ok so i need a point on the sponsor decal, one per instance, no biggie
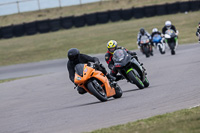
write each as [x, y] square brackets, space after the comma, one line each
[85, 69]
[78, 78]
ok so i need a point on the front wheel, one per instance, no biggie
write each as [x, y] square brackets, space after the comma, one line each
[146, 82]
[172, 47]
[173, 52]
[95, 88]
[146, 51]
[135, 79]
[161, 50]
[118, 91]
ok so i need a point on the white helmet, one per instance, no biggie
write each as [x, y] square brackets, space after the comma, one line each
[155, 30]
[168, 23]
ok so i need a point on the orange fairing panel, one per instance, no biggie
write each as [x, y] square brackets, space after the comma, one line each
[86, 75]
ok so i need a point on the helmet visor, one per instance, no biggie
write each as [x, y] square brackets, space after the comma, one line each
[111, 50]
[73, 57]
[168, 27]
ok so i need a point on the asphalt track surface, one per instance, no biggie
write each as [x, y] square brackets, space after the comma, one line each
[48, 103]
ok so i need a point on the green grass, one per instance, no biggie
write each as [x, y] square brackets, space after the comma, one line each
[183, 121]
[91, 39]
[7, 80]
[78, 10]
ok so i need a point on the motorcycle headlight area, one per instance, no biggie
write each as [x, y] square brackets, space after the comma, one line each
[118, 59]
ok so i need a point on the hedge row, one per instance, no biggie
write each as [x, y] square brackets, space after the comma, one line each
[51, 25]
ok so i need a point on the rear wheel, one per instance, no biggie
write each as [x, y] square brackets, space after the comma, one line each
[95, 88]
[118, 91]
[135, 79]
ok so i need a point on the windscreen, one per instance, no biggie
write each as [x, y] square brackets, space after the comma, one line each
[119, 55]
[79, 69]
[157, 37]
[144, 38]
[169, 32]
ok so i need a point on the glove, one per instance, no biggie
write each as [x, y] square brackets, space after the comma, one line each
[133, 53]
[97, 62]
[96, 65]
[111, 66]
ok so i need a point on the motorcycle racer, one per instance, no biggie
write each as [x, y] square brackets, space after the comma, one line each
[141, 33]
[75, 57]
[112, 45]
[155, 31]
[168, 25]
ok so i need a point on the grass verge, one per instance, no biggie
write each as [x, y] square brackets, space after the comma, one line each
[91, 39]
[183, 121]
[8, 80]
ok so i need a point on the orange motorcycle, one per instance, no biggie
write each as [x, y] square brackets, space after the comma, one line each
[95, 82]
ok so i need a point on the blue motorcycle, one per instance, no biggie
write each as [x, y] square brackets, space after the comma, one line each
[158, 42]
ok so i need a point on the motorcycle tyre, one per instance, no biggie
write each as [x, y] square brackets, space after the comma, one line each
[173, 52]
[94, 91]
[172, 46]
[118, 91]
[160, 49]
[134, 80]
[146, 82]
[146, 51]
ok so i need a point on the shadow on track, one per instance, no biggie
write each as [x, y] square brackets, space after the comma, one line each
[131, 90]
[81, 105]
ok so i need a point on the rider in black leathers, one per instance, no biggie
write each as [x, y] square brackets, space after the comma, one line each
[75, 58]
[168, 25]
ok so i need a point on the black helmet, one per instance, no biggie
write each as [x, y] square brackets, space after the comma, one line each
[73, 54]
[142, 31]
